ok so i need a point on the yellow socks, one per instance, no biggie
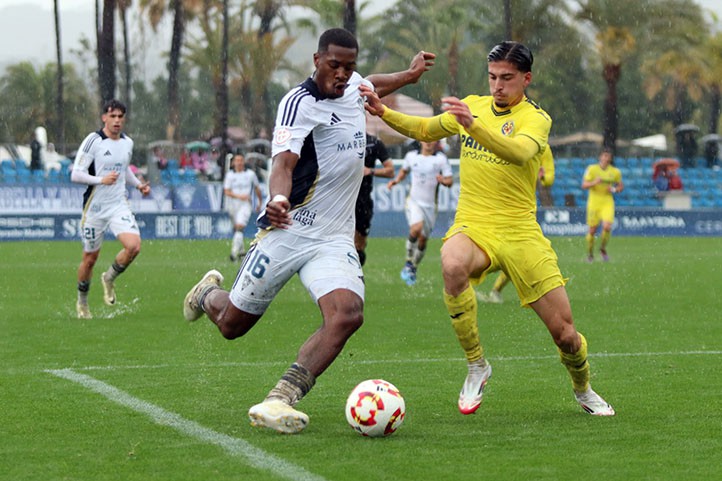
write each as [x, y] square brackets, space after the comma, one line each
[606, 235]
[590, 243]
[462, 310]
[500, 282]
[577, 365]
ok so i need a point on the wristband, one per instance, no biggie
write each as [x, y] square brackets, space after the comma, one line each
[279, 198]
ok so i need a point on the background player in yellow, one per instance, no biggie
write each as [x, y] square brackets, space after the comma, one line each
[546, 179]
[503, 137]
[603, 180]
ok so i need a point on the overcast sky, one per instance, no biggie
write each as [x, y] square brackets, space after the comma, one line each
[27, 31]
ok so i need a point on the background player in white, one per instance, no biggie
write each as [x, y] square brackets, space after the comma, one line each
[103, 163]
[239, 186]
[308, 225]
[429, 168]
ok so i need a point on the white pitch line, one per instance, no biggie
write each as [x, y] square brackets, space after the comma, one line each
[254, 456]
[403, 361]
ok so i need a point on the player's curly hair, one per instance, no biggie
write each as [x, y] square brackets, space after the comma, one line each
[513, 52]
[337, 36]
[113, 104]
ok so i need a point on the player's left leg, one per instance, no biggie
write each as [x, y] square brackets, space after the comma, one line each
[604, 240]
[554, 310]
[131, 249]
[337, 287]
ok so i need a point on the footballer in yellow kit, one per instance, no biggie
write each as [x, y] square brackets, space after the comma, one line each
[503, 139]
[497, 200]
[603, 180]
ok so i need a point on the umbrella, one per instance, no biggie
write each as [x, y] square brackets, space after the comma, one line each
[198, 145]
[686, 128]
[711, 138]
[666, 164]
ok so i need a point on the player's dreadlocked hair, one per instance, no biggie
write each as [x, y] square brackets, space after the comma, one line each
[514, 53]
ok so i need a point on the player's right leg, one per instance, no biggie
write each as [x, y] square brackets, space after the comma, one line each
[193, 302]
[460, 257]
[85, 274]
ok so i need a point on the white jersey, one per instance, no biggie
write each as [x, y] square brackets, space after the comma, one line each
[243, 183]
[329, 135]
[100, 155]
[424, 169]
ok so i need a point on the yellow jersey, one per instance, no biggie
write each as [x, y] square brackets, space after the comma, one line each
[492, 189]
[610, 176]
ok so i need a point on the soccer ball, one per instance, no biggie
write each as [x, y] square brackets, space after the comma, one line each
[375, 408]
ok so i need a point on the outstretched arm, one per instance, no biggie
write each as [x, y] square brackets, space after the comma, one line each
[517, 150]
[419, 128]
[387, 83]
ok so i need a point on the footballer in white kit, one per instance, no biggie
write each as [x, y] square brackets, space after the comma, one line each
[423, 195]
[238, 187]
[429, 169]
[103, 164]
[307, 226]
[329, 135]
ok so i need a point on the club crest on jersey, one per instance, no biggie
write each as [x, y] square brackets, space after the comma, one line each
[281, 136]
[507, 128]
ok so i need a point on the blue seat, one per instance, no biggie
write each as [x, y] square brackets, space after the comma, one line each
[24, 177]
[53, 176]
[190, 176]
[21, 166]
[37, 176]
[10, 177]
[562, 162]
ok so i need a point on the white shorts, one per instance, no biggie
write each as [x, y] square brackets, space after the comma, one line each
[118, 218]
[322, 266]
[416, 213]
[240, 212]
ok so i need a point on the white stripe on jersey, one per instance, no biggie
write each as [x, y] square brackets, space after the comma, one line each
[329, 135]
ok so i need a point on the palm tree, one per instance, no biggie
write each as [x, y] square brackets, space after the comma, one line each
[713, 80]
[349, 15]
[443, 27]
[156, 9]
[123, 6]
[106, 51]
[59, 104]
[611, 22]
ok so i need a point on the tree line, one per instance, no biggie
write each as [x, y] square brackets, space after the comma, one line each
[623, 69]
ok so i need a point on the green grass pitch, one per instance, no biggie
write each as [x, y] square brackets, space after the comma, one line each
[138, 394]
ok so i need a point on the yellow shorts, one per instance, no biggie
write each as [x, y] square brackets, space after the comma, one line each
[598, 212]
[521, 251]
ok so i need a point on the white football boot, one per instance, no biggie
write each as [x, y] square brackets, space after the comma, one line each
[279, 416]
[108, 290]
[473, 388]
[83, 311]
[593, 403]
[192, 309]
